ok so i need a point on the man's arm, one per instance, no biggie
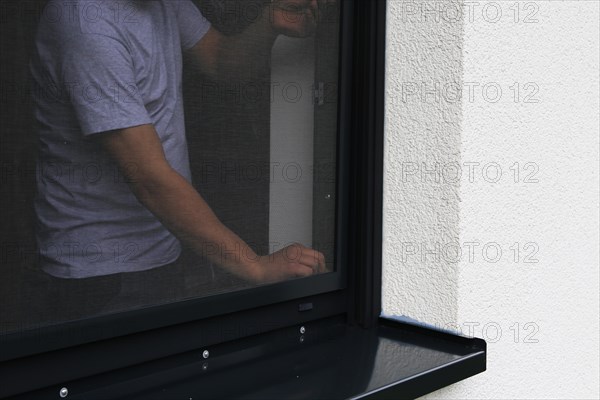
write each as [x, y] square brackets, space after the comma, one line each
[216, 55]
[175, 202]
[206, 52]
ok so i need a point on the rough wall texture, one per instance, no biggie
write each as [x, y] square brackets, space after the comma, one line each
[523, 270]
[422, 134]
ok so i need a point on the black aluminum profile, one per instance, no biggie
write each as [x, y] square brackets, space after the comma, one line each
[368, 71]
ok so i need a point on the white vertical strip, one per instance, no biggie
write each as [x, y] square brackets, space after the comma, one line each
[292, 131]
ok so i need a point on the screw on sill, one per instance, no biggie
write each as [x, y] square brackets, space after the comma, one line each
[205, 354]
[64, 392]
[302, 330]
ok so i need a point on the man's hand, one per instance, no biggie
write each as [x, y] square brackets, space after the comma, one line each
[294, 261]
[295, 18]
[298, 18]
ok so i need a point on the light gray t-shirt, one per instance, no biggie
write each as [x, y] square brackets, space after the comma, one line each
[100, 66]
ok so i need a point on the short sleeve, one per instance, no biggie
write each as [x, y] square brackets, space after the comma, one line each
[97, 71]
[192, 24]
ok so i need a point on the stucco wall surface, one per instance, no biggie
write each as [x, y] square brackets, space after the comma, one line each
[501, 240]
[422, 132]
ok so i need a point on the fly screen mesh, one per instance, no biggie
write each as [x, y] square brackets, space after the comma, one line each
[156, 151]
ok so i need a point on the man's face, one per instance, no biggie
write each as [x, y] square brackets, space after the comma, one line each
[296, 18]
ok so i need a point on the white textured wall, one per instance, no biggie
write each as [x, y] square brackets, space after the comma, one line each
[422, 132]
[536, 303]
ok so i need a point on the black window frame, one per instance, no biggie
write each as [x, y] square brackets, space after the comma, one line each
[351, 204]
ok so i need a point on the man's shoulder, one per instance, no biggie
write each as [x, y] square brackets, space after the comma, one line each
[69, 18]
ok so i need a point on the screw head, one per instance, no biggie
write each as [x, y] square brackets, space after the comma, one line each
[302, 330]
[205, 367]
[301, 340]
[64, 392]
[205, 354]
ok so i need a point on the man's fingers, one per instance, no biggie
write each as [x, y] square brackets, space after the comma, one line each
[322, 265]
[308, 257]
[309, 260]
[314, 259]
[300, 270]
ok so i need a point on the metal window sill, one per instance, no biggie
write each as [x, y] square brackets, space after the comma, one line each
[330, 360]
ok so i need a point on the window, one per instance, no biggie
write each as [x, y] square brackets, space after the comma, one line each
[246, 112]
[281, 105]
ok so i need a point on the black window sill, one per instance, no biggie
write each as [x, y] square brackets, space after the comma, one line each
[330, 360]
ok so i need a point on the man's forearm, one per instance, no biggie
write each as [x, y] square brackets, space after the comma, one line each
[185, 213]
[175, 202]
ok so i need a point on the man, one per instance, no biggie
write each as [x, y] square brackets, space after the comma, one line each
[114, 194]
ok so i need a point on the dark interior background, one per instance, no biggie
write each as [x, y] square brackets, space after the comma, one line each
[18, 21]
